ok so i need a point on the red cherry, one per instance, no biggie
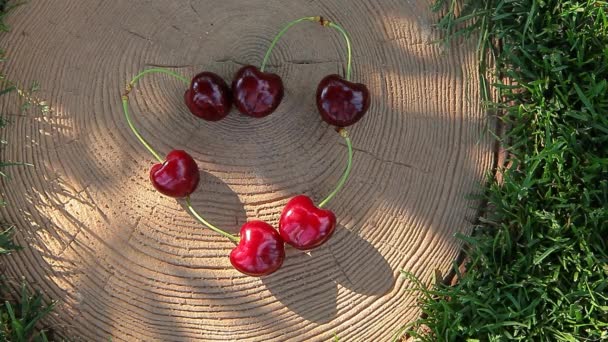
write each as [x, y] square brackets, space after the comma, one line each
[256, 93]
[177, 177]
[208, 97]
[303, 225]
[260, 250]
[341, 103]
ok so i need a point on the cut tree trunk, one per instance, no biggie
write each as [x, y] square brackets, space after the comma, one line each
[127, 263]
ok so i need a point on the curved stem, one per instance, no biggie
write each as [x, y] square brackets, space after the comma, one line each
[349, 166]
[231, 237]
[125, 105]
[348, 48]
[280, 34]
[323, 22]
[159, 71]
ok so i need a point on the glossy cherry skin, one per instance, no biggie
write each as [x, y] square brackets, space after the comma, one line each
[208, 97]
[303, 225]
[177, 177]
[341, 103]
[261, 250]
[256, 93]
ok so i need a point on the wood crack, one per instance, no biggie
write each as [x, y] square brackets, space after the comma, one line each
[169, 66]
[292, 61]
[138, 35]
[194, 9]
[341, 268]
[387, 161]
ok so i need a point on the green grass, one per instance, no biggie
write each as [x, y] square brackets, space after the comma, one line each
[537, 265]
[6, 241]
[19, 318]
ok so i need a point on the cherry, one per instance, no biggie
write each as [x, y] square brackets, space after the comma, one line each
[256, 93]
[177, 176]
[305, 226]
[208, 97]
[260, 250]
[341, 103]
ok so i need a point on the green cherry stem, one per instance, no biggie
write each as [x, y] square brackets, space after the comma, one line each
[323, 22]
[348, 48]
[125, 107]
[344, 133]
[233, 238]
[279, 35]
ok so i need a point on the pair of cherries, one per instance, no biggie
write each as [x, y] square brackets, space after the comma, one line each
[260, 248]
[256, 93]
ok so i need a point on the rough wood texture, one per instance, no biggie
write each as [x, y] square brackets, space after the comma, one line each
[128, 263]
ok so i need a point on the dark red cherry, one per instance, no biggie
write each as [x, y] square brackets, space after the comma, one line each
[260, 251]
[341, 103]
[256, 93]
[208, 97]
[305, 226]
[177, 177]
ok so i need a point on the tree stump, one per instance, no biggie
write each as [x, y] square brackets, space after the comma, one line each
[127, 263]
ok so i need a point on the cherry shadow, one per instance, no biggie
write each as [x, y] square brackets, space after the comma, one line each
[217, 203]
[308, 281]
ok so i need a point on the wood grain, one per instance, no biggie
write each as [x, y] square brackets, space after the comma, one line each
[125, 262]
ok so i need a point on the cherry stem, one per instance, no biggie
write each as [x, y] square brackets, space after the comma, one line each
[323, 22]
[125, 105]
[233, 238]
[344, 133]
[279, 35]
[348, 48]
